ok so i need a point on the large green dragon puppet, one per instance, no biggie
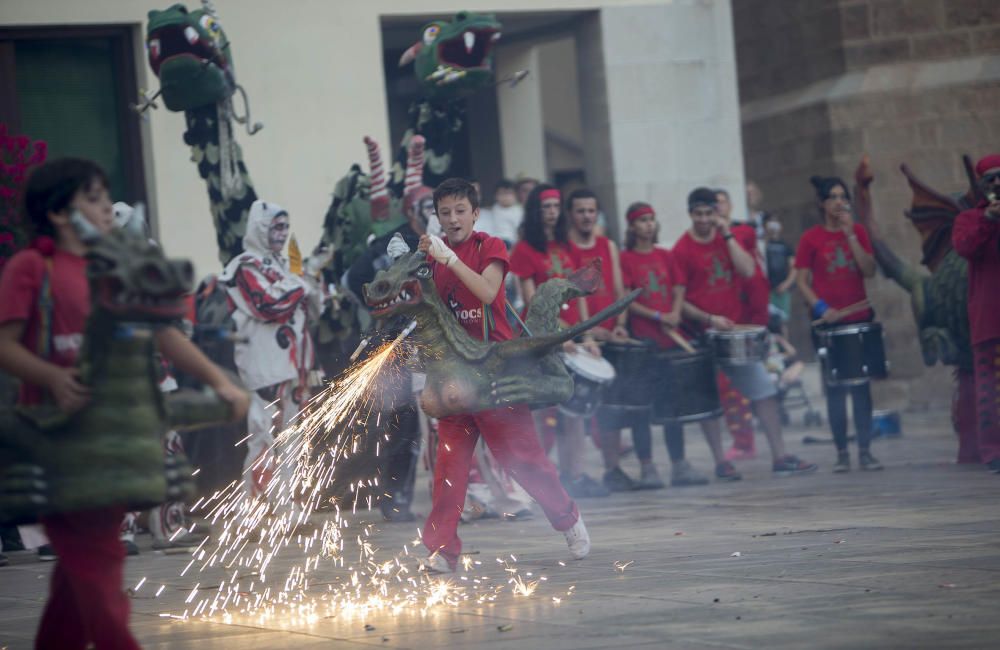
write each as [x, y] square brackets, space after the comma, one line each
[466, 375]
[110, 452]
[939, 300]
[192, 56]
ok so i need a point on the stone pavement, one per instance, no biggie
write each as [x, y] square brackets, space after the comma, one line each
[904, 558]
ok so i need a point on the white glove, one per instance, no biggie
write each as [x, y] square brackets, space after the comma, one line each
[318, 261]
[397, 247]
[440, 251]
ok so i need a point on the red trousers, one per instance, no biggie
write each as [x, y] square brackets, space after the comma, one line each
[86, 602]
[963, 417]
[510, 434]
[987, 369]
[739, 417]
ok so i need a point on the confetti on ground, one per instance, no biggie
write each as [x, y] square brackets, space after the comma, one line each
[505, 628]
[736, 554]
[621, 566]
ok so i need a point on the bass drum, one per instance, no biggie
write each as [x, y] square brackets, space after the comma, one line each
[634, 386]
[686, 387]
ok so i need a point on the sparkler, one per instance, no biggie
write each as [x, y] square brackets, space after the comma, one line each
[334, 572]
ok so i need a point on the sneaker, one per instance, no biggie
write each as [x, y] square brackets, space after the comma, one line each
[650, 479]
[683, 475]
[739, 453]
[994, 466]
[578, 540]
[130, 547]
[584, 487]
[867, 462]
[617, 480]
[726, 472]
[843, 463]
[789, 465]
[46, 554]
[435, 563]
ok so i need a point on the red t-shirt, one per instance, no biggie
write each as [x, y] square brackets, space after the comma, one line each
[657, 274]
[605, 294]
[711, 280]
[477, 252]
[558, 261]
[756, 290]
[836, 278]
[977, 239]
[21, 287]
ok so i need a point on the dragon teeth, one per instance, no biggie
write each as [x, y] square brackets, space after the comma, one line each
[470, 41]
[191, 34]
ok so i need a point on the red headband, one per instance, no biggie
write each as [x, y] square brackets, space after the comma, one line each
[640, 211]
[989, 162]
[550, 194]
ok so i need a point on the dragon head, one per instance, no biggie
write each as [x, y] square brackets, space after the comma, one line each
[400, 289]
[132, 280]
[189, 52]
[455, 58]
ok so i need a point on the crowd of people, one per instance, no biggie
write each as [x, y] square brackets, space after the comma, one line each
[723, 281]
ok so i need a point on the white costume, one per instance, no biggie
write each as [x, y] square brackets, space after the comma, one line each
[275, 352]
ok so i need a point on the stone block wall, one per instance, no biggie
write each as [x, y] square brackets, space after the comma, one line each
[914, 81]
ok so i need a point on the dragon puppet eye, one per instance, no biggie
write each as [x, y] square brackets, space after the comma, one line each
[210, 25]
[431, 33]
[423, 271]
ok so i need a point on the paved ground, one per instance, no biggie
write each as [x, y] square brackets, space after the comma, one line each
[907, 558]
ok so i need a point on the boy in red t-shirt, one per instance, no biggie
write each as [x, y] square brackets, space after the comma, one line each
[713, 263]
[976, 237]
[833, 260]
[469, 270]
[86, 603]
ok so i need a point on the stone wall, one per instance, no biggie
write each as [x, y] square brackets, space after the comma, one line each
[915, 81]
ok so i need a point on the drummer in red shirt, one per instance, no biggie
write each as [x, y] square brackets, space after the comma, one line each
[545, 252]
[653, 316]
[976, 237]
[468, 271]
[713, 263]
[833, 259]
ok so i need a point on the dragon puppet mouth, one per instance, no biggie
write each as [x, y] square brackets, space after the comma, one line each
[176, 41]
[114, 298]
[469, 50]
[409, 294]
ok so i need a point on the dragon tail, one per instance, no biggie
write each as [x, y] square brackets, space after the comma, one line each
[903, 274]
[610, 311]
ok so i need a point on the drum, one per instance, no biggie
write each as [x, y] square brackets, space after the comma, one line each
[591, 376]
[632, 390]
[741, 346]
[852, 354]
[686, 387]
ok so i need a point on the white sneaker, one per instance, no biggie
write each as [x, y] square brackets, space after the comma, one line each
[435, 563]
[578, 540]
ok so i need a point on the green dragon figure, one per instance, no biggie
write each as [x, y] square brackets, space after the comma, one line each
[938, 299]
[465, 375]
[110, 452]
[192, 57]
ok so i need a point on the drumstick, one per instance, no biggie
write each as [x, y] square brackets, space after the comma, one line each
[847, 311]
[680, 341]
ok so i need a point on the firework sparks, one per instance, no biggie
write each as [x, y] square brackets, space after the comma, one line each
[239, 577]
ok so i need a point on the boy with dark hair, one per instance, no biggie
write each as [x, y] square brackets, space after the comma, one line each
[42, 317]
[468, 271]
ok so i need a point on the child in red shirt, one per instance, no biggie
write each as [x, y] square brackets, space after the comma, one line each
[833, 259]
[86, 603]
[469, 272]
[976, 237]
